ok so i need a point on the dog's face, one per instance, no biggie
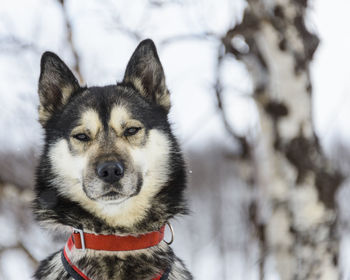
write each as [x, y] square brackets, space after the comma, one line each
[105, 153]
[110, 145]
[107, 146]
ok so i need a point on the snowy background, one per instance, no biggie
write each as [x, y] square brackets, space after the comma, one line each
[214, 240]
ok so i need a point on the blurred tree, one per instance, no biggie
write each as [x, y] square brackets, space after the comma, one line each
[295, 180]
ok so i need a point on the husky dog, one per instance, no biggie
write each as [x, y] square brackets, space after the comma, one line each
[111, 166]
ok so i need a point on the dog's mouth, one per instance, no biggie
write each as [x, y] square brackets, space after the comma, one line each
[112, 197]
[112, 193]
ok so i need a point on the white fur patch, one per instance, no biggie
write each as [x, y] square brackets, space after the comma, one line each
[68, 169]
[152, 158]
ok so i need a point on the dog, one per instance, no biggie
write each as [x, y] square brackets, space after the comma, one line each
[111, 172]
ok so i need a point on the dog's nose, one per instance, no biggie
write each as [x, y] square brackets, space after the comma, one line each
[110, 171]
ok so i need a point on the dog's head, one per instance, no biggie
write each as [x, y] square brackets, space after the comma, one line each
[109, 149]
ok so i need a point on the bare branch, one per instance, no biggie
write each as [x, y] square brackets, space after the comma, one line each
[73, 48]
[242, 140]
[189, 37]
[161, 3]
[20, 246]
[34, 261]
[133, 34]
[14, 44]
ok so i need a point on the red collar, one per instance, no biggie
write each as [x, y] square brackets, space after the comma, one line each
[83, 240]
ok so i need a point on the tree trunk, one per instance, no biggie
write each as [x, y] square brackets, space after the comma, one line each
[297, 182]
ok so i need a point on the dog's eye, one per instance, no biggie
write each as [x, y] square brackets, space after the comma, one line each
[131, 131]
[82, 137]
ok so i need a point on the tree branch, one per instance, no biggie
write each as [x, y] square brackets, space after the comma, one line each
[73, 48]
[245, 150]
[189, 37]
[20, 246]
[15, 44]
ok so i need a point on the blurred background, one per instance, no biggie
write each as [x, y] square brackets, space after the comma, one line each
[259, 93]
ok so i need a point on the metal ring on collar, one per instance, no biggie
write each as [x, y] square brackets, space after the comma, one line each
[172, 234]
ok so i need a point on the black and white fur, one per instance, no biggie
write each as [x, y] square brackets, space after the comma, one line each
[87, 126]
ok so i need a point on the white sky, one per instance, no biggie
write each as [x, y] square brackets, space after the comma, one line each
[330, 70]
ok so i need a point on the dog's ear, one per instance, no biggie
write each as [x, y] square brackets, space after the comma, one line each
[56, 85]
[145, 72]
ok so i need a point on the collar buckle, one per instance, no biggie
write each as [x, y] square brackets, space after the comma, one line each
[82, 239]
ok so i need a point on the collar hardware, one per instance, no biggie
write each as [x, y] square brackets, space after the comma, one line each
[172, 233]
[82, 239]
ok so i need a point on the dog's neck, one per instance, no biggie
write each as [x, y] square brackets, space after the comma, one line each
[66, 214]
[123, 264]
[134, 248]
